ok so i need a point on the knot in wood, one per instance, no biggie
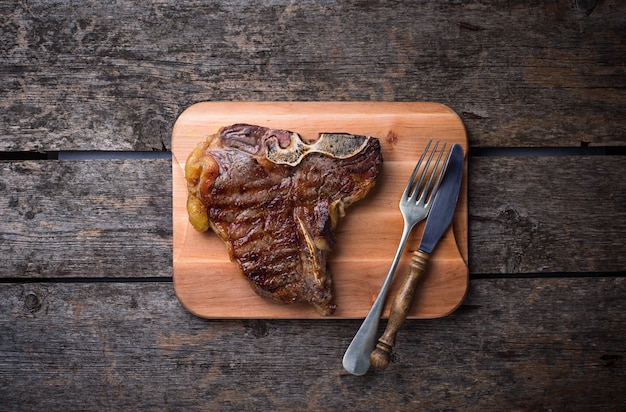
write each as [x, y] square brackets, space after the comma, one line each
[32, 304]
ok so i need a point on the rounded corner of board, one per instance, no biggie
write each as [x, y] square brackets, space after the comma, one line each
[459, 301]
[190, 111]
[457, 117]
[193, 107]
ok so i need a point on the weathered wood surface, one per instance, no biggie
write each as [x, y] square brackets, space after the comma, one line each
[66, 219]
[547, 214]
[103, 219]
[84, 75]
[516, 344]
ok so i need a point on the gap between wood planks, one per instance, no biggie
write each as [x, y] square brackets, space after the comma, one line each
[583, 150]
[85, 155]
[77, 279]
[168, 279]
[548, 275]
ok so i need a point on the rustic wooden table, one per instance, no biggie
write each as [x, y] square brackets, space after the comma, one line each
[89, 92]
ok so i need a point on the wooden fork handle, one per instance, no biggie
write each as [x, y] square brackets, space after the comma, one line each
[400, 308]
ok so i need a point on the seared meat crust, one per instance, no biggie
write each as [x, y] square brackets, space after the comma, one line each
[277, 219]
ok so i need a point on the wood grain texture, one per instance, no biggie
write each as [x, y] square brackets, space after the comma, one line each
[209, 284]
[547, 214]
[84, 75]
[515, 344]
[85, 219]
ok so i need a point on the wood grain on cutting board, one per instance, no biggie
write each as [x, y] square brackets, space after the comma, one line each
[208, 284]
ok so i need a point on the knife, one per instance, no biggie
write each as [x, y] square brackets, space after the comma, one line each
[437, 223]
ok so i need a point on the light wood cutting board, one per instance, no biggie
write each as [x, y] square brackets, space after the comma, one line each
[207, 283]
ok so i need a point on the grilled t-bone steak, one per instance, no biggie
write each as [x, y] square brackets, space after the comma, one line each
[276, 200]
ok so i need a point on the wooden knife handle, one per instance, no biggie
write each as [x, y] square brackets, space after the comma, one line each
[400, 308]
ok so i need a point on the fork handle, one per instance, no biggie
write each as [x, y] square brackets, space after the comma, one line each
[400, 308]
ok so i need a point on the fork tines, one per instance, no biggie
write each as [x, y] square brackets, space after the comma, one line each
[420, 188]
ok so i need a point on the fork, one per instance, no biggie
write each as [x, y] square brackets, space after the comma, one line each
[356, 359]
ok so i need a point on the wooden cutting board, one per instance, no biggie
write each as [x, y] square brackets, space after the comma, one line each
[207, 283]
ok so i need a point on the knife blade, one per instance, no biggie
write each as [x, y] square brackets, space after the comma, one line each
[437, 223]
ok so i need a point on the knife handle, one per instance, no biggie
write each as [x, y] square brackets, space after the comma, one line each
[400, 308]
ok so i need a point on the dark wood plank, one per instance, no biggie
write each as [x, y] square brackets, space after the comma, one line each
[547, 214]
[85, 219]
[113, 218]
[78, 75]
[515, 344]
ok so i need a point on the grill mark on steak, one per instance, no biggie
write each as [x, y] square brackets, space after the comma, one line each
[276, 219]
